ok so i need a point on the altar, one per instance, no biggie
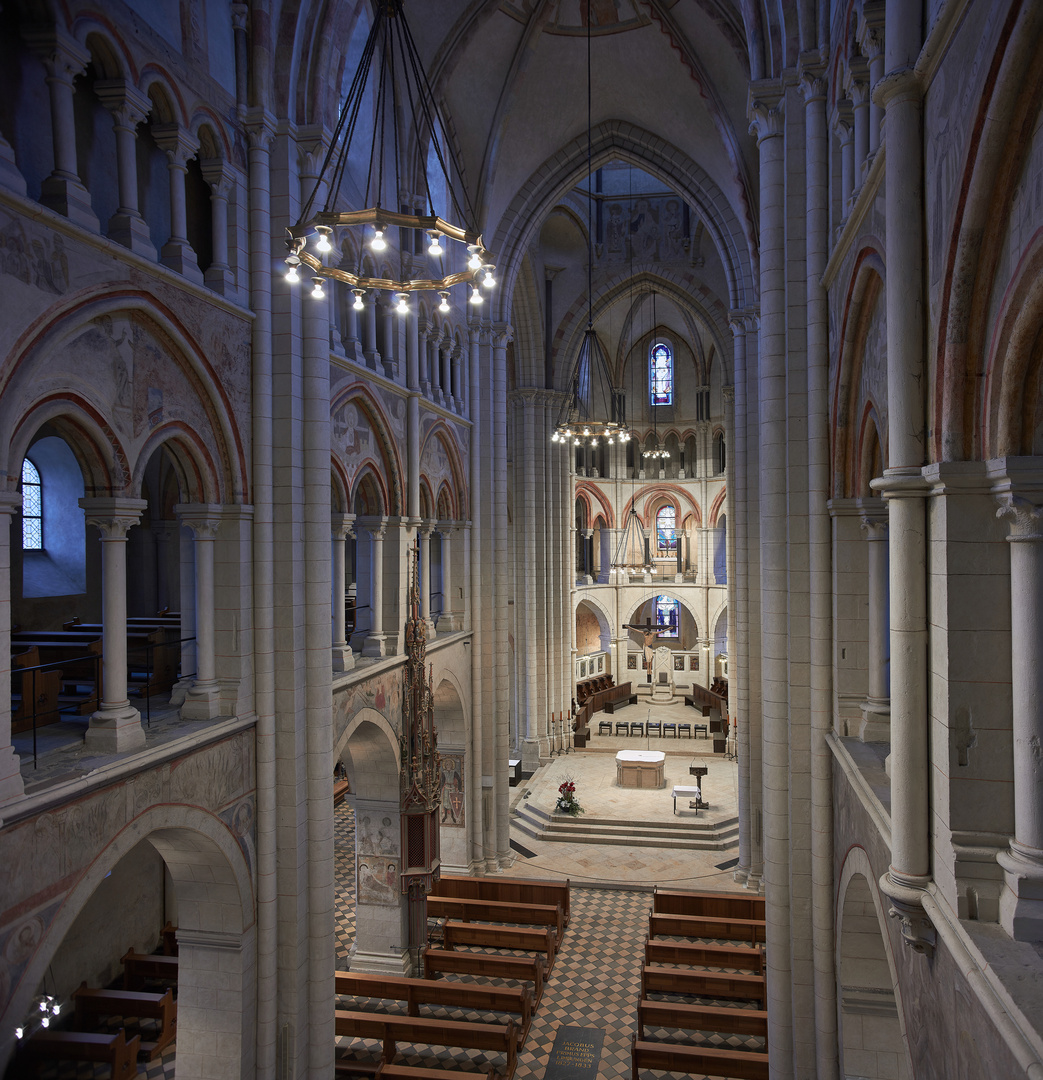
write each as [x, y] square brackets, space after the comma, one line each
[640, 768]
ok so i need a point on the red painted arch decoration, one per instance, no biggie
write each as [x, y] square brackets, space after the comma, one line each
[591, 493]
[716, 506]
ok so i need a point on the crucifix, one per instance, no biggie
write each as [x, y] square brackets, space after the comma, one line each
[650, 633]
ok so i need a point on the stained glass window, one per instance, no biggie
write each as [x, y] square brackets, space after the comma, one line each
[668, 612]
[666, 528]
[661, 374]
[32, 508]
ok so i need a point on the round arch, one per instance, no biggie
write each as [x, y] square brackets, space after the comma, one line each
[371, 747]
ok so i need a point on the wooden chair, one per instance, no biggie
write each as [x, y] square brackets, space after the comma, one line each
[637, 727]
[622, 727]
[669, 726]
[655, 727]
[604, 727]
[686, 728]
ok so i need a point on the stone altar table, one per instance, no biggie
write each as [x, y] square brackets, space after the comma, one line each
[640, 768]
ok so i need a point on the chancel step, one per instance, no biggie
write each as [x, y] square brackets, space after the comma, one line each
[702, 835]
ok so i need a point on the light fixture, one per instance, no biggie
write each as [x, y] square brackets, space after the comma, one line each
[358, 304]
[390, 113]
[292, 276]
[591, 399]
[402, 303]
[476, 295]
[444, 305]
[318, 293]
[632, 550]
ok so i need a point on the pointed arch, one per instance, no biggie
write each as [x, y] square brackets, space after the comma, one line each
[389, 462]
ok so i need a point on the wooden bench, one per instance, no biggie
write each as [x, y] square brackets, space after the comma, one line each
[695, 983]
[618, 703]
[521, 968]
[687, 1017]
[429, 1031]
[467, 909]
[698, 954]
[137, 967]
[341, 788]
[516, 890]
[708, 904]
[112, 1050]
[696, 926]
[523, 938]
[450, 995]
[696, 1060]
[34, 693]
[705, 700]
[89, 1002]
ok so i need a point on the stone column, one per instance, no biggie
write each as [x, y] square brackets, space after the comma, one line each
[375, 641]
[903, 484]
[858, 88]
[177, 253]
[450, 619]
[871, 42]
[221, 179]
[128, 107]
[424, 358]
[446, 351]
[116, 727]
[63, 58]
[586, 535]
[10, 778]
[389, 357]
[843, 125]
[343, 657]
[876, 709]
[369, 336]
[202, 701]
[424, 532]
[458, 382]
[1021, 903]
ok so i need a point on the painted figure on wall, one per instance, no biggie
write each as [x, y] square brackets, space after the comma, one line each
[451, 804]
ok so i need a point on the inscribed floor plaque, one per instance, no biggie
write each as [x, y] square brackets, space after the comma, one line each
[576, 1054]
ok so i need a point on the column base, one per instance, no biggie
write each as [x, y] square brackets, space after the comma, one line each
[202, 702]
[530, 754]
[389, 963]
[177, 255]
[115, 730]
[10, 175]
[1021, 902]
[754, 882]
[741, 874]
[390, 368]
[372, 359]
[429, 628]
[343, 658]
[906, 895]
[221, 280]
[179, 691]
[375, 645]
[876, 720]
[131, 230]
[11, 786]
[450, 621]
[68, 197]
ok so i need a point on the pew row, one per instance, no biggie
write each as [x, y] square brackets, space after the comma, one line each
[487, 936]
[708, 904]
[683, 1016]
[429, 1031]
[696, 1060]
[508, 890]
[496, 911]
[692, 982]
[137, 967]
[91, 1003]
[116, 1051]
[520, 968]
[698, 954]
[450, 995]
[696, 926]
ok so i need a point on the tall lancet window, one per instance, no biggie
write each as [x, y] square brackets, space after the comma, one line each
[661, 374]
[666, 528]
[32, 508]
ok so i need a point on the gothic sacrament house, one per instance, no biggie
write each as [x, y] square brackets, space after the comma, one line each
[408, 405]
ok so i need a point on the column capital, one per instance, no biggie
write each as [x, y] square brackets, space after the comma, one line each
[260, 128]
[502, 334]
[178, 143]
[426, 528]
[446, 529]
[341, 525]
[375, 526]
[869, 32]
[905, 84]
[124, 100]
[742, 321]
[219, 174]
[728, 391]
[856, 82]
[1024, 515]
[842, 120]
[766, 109]
[239, 16]
[113, 517]
[204, 519]
[62, 55]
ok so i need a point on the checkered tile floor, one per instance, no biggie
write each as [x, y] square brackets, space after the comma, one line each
[596, 982]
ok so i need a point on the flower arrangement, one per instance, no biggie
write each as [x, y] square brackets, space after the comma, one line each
[567, 802]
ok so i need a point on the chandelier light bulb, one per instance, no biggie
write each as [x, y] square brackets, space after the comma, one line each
[378, 243]
[444, 305]
[358, 305]
[45, 1022]
[489, 281]
[56, 1008]
[403, 306]
[324, 246]
[435, 247]
[554, 437]
[319, 293]
[586, 431]
[19, 1032]
[579, 441]
[476, 296]
[292, 262]
[474, 262]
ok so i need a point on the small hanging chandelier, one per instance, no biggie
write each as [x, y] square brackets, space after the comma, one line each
[391, 77]
[631, 556]
[593, 408]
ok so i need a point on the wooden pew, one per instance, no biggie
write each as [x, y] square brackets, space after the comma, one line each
[696, 926]
[137, 967]
[112, 1050]
[415, 1072]
[696, 953]
[521, 968]
[696, 1060]
[89, 1002]
[687, 1017]
[35, 693]
[516, 890]
[488, 936]
[506, 911]
[430, 1031]
[695, 983]
[709, 904]
[450, 995]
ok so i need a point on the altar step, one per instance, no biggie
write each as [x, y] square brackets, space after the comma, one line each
[702, 834]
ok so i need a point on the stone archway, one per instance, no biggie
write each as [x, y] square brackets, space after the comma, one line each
[872, 1040]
